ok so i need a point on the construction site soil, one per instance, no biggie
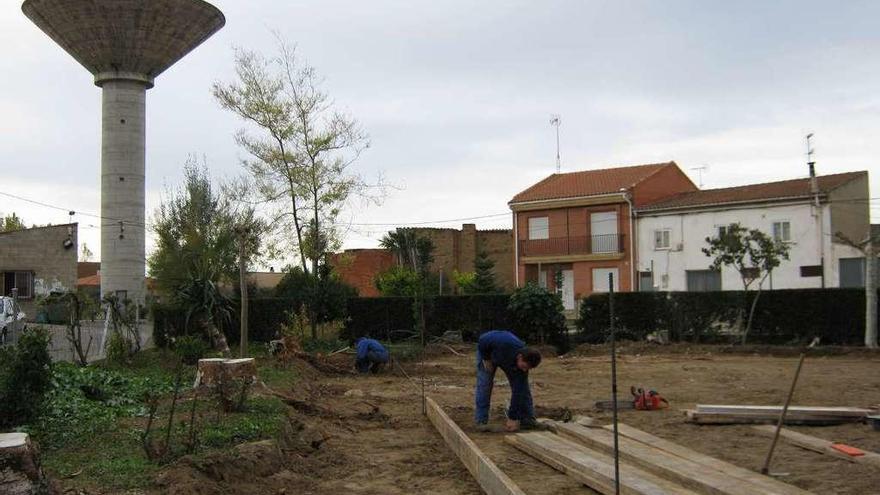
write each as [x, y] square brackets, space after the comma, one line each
[367, 434]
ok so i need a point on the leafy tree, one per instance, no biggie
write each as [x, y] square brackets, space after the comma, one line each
[399, 281]
[537, 315]
[301, 148]
[411, 250]
[752, 253]
[11, 222]
[464, 281]
[484, 277]
[194, 234]
[200, 239]
[415, 254]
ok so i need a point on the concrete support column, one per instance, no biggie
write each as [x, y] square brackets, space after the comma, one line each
[122, 188]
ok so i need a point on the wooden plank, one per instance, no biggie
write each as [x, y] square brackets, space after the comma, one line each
[761, 418]
[853, 412]
[819, 445]
[766, 483]
[491, 479]
[592, 468]
[672, 467]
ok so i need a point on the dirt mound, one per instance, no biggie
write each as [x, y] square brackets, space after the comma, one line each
[224, 472]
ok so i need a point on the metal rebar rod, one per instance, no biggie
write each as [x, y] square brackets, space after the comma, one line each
[614, 384]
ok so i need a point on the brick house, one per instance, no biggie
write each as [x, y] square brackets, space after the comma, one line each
[576, 228]
[38, 260]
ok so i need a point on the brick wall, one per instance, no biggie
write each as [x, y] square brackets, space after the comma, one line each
[359, 267]
[40, 251]
[456, 250]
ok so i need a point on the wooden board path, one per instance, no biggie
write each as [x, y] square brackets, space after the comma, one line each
[592, 468]
[764, 482]
[491, 479]
[819, 445]
[696, 476]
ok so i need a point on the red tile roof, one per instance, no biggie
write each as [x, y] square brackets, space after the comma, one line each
[589, 182]
[769, 191]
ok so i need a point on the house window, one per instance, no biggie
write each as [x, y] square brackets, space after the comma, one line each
[812, 270]
[539, 228]
[723, 230]
[703, 280]
[661, 239]
[782, 231]
[23, 281]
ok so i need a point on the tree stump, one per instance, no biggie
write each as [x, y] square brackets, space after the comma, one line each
[210, 372]
[20, 472]
[244, 370]
[229, 380]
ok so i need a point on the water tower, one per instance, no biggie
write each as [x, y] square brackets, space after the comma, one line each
[125, 44]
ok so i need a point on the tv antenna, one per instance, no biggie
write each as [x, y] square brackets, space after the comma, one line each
[700, 170]
[555, 121]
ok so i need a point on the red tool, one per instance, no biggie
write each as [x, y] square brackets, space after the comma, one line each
[647, 400]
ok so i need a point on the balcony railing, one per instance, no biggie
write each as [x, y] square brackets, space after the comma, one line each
[558, 246]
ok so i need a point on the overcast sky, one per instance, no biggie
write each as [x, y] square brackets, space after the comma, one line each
[457, 96]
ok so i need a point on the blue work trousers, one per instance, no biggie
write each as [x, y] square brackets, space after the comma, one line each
[521, 406]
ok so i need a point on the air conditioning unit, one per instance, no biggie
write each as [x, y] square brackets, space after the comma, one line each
[679, 246]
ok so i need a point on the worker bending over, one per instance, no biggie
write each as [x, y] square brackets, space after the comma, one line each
[502, 349]
[371, 355]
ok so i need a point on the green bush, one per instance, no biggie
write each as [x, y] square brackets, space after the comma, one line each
[537, 316]
[87, 401]
[26, 376]
[190, 348]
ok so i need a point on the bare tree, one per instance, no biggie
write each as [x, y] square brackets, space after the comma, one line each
[300, 148]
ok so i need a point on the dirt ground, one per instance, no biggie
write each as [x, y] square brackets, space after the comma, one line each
[367, 435]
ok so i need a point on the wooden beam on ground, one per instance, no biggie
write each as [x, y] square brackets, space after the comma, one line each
[690, 474]
[765, 483]
[848, 412]
[592, 468]
[819, 445]
[712, 418]
[491, 479]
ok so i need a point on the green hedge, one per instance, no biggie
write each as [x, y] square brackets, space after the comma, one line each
[391, 318]
[265, 317]
[836, 316]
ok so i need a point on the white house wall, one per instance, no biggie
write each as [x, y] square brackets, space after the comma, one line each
[688, 232]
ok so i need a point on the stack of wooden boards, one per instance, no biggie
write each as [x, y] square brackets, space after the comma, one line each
[648, 465]
[796, 415]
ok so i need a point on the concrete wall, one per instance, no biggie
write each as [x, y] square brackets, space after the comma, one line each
[40, 251]
[688, 232]
[850, 213]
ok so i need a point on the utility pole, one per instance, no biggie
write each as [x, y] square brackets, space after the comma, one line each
[867, 247]
[870, 294]
[556, 121]
[817, 208]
